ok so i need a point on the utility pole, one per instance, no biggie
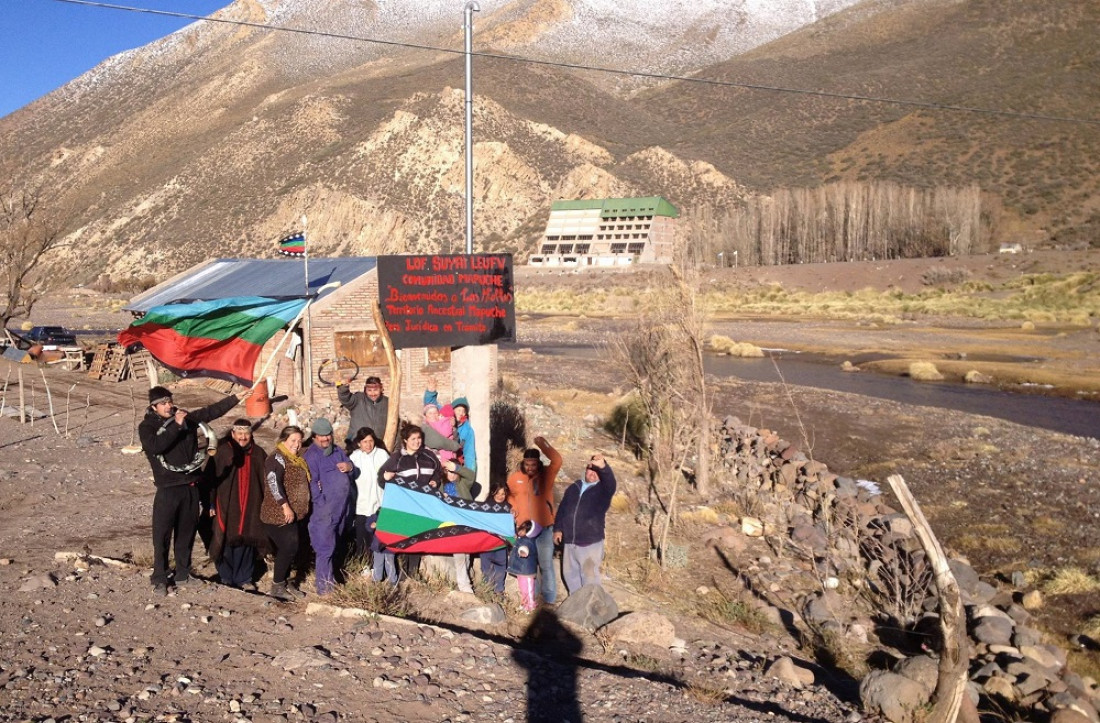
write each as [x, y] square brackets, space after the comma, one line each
[471, 8]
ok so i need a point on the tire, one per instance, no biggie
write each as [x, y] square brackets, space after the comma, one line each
[330, 368]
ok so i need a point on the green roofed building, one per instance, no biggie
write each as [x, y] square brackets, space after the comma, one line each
[607, 232]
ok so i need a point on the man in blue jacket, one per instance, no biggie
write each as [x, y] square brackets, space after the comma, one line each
[579, 524]
[330, 493]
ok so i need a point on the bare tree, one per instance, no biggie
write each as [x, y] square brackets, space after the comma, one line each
[662, 360]
[29, 232]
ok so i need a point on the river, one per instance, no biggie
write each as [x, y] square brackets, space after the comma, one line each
[1079, 417]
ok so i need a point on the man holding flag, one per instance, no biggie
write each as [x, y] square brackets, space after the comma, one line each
[169, 440]
[219, 338]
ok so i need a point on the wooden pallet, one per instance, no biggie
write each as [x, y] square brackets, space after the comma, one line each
[110, 363]
[139, 364]
[99, 360]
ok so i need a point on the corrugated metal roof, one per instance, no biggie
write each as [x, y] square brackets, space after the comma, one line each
[222, 278]
[618, 207]
[649, 206]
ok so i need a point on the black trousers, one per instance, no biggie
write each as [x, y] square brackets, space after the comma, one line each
[284, 538]
[175, 513]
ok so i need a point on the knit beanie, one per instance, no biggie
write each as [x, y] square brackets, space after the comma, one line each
[159, 394]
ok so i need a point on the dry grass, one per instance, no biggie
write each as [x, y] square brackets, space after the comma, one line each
[721, 609]
[989, 537]
[705, 693]
[1070, 581]
[925, 372]
[1004, 373]
[724, 345]
[1029, 299]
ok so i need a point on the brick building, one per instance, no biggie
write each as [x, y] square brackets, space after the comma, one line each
[607, 233]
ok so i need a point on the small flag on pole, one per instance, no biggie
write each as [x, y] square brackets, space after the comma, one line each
[293, 245]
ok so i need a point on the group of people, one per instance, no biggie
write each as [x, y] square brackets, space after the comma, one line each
[260, 502]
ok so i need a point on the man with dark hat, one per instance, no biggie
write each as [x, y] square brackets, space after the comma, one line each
[531, 495]
[169, 439]
[369, 408]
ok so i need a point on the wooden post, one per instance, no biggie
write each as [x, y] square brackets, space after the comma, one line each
[954, 664]
[390, 437]
[49, 400]
[22, 398]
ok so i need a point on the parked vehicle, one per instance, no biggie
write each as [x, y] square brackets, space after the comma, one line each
[51, 335]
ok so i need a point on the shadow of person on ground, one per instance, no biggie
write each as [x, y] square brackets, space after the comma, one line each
[551, 671]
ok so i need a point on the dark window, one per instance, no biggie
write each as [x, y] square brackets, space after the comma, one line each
[582, 248]
[547, 249]
[636, 248]
[565, 249]
[618, 248]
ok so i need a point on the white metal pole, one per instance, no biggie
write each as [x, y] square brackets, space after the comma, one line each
[471, 8]
[307, 347]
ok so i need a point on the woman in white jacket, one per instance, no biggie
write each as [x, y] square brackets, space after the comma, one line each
[367, 454]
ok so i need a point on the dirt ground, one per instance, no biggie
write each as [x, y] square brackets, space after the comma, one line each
[84, 641]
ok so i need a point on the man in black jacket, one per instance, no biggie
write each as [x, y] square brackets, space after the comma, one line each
[169, 439]
[579, 523]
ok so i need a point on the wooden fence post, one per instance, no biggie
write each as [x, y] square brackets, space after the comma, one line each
[954, 663]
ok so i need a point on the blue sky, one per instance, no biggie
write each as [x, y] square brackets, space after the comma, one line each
[46, 43]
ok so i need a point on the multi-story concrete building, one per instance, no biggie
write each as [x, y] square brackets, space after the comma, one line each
[607, 232]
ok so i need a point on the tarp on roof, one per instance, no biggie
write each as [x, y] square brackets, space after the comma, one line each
[224, 278]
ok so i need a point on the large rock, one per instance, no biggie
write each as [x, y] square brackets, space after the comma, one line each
[1000, 687]
[642, 628]
[1069, 715]
[725, 538]
[1044, 656]
[823, 607]
[38, 582]
[993, 630]
[966, 578]
[893, 696]
[784, 669]
[921, 669]
[491, 614]
[590, 607]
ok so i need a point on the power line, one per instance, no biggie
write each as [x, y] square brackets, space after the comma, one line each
[929, 105]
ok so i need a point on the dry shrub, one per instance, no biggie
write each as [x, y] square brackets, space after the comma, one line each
[705, 693]
[725, 345]
[621, 504]
[700, 515]
[940, 276]
[833, 650]
[1071, 581]
[925, 372]
[381, 598]
[721, 609]
[1027, 326]
[976, 377]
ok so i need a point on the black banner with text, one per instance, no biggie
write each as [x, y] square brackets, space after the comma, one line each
[453, 300]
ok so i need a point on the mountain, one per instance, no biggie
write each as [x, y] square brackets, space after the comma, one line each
[217, 139]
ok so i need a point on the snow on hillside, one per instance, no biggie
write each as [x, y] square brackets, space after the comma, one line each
[675, 36]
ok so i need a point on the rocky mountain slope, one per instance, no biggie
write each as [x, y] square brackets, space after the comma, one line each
[216, 140]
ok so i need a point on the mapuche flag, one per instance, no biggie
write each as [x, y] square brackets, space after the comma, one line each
[418, 519]
[220, 338]
[293, 245]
